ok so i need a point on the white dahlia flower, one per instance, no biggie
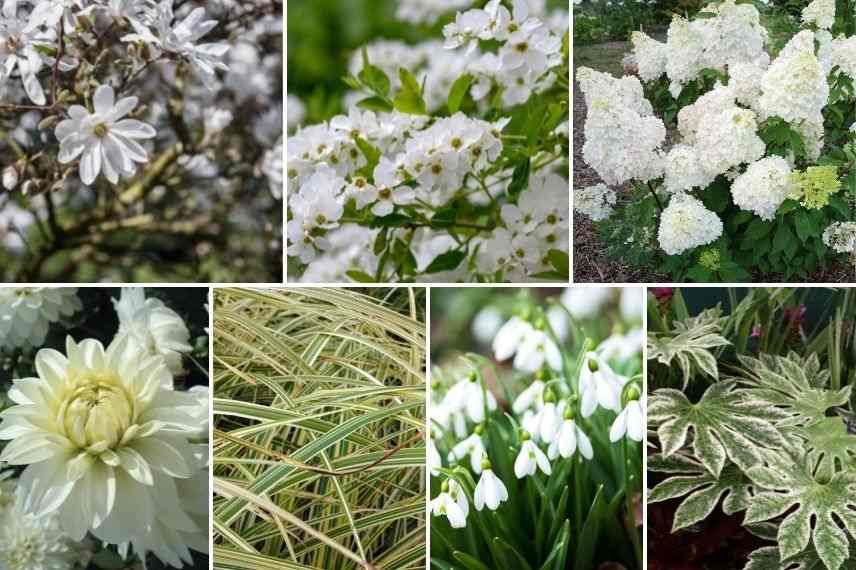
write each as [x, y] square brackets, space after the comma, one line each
[26, 313]
[28, 542]
[157, 328]
[685, 224]
[763, 187]
[106, 440]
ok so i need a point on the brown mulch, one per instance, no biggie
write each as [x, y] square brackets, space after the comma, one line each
[590, 263]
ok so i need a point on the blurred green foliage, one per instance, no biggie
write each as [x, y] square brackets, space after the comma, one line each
[323, 34]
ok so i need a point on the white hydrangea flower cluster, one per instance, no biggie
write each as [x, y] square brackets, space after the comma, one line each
[839, 52]
[841, 237]
[623, 137]
[683, 170]
[733, 34]
[596, 202]
[553, 424]
[523, 65]
[763, 187]
[737, 126]
[820, 13]
[26, 313]
[686, 224]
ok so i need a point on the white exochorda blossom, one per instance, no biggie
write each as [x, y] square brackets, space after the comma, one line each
[104, 140]
[686, 224]
[106, 440]
[19, 43]
[180, 39]
[154, 326]
[28, 542]
[26, 313]
[530, 459]
[763, 187]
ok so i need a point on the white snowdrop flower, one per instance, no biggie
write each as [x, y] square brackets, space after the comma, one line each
[546, 421]
[569, 439]
[599, 385]
[155, 327]
[763, 187]
[29, 542]
[530, 459]
[528, 397]
[471, 396]
[821, 13]
[487, 324]
[181, 39]
[19, 49]
[490, 490]
[621, 347]
[629, 421]
[736, 125]
[434, 459]
[683, 170]
[632, 304]
[26, 313]
[509, 337]
[105, 437]
[451, 503]
[685, 223]
[650, 56]
[841, 237]
[471, 447]
[585, 303]
[103, 139]
[596, 202]
[537, 349]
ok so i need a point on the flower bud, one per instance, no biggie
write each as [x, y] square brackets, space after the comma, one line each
[10, 178]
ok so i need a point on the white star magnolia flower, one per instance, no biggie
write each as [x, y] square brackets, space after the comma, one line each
[629, 422]
[106, 141]
[105, 438]
[529, 460]
[28, 542]
[154, 326]
[181, 39]
[18, 43]
[453, 504]
[26, 313]
[490, 491]
[570, 438]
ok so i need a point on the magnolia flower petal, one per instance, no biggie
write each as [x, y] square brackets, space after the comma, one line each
[103, 99]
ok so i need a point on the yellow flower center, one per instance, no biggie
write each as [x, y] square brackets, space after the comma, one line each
[100, 130]
[97, 412]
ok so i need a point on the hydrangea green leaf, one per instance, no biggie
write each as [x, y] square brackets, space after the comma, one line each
[689, 342]
[704, 492]
[726, 425]
[820, 511]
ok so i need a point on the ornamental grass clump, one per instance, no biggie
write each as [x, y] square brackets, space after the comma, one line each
[538, 464]
[747, 423]
[319, 428]
[760, 158]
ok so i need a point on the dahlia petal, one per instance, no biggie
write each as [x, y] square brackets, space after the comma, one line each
[32, 448]
[46, 485]
[100, 486]
[163, 455]
[135, 465]
[135, 510]
[51, 366]
[72, 517]
[78, 467]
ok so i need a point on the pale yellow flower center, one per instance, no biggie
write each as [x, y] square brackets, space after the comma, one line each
[97, 412]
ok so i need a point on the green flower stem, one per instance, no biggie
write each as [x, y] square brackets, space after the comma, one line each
[630, 517]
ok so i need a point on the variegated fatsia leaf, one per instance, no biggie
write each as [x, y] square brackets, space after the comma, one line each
[795, 385]
[831, 448]
[767, 558]
[821, 511]
[703, 492]
[689, 342]
[726, 425]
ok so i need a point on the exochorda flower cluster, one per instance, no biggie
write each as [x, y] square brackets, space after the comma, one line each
[553, 416]
[110, 447]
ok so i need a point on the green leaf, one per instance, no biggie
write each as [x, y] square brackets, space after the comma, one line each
[690, 341]
[390, 220]
[375, 104]
[816, 507]
[458, 91]
[758, 229]
[587, 541]
[519, 179]
[726, 424]
[373, 77]
[560, 261]
[469, 562]
[371, 153]
[704, 491]
[446, 261]
[804, 225]
[444, 217]
[784, 238]
[360, 277]
[409, 96]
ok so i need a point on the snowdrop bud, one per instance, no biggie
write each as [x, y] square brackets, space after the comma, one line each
[524, 435]
[569, 411]
[549, 397]
[479, 429]
[444, 486]
[48, 122]
[485, 463]
[593, 365]
[633, 393]
[10, 178]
